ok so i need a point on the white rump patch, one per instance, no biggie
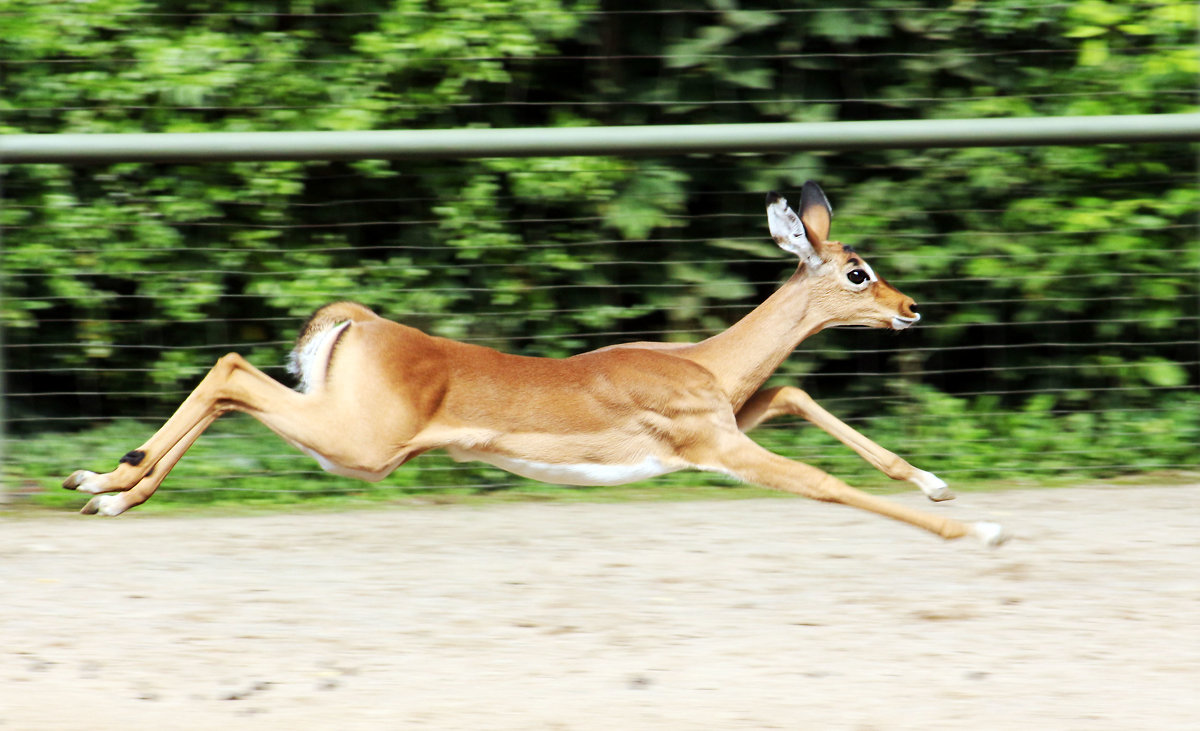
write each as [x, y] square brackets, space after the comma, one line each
[309, 361]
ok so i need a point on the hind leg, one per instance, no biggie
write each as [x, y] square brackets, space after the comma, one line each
[316, 423]
[206, 402]
[115, 504]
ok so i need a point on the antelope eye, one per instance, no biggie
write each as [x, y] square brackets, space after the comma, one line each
[857, 276]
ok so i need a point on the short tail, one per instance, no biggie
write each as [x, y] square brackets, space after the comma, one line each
[309, 359]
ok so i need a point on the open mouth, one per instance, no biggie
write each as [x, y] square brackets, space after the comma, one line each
[901, 323]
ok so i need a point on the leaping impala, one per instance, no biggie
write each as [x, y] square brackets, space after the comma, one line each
[374, 394]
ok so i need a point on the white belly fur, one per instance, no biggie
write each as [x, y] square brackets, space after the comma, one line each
[334, 468]
[582, 475]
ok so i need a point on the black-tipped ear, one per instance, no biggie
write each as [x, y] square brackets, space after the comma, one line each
[815, 211]
[811, 194]
[789, 231]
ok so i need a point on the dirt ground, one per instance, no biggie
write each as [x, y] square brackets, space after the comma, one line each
[754, 614]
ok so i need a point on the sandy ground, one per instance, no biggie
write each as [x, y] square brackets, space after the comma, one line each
[707, 615]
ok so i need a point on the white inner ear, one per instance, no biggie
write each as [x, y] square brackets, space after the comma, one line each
[789, 234]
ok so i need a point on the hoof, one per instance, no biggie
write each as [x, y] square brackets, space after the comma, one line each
[84, 481]
[933, 486]
[105, 505]
[941, 494]
[990, 534]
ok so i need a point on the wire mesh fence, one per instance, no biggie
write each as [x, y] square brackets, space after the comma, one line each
[1067, 358]
[1059, 285]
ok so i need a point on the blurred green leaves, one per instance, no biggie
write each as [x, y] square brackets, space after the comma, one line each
[139, 272]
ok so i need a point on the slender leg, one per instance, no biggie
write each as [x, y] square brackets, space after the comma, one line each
[203, 404]
[115, 504]
[774, 402]
[314, 423]
[743, 458]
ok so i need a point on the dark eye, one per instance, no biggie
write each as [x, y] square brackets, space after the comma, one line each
[857, 276]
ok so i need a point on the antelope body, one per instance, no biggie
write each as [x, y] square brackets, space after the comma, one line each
[374, 394]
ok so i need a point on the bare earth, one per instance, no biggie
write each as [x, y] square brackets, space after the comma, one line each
[706, 615]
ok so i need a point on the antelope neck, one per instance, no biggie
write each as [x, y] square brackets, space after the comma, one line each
[745, 355]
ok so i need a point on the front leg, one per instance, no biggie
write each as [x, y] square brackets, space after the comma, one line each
[772, 402]
[739, 456]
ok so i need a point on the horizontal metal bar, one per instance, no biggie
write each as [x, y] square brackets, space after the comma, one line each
[567, 141]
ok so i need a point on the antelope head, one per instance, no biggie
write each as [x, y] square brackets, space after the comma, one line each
[844, 285]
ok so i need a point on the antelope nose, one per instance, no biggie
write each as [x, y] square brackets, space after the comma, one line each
[909, 312]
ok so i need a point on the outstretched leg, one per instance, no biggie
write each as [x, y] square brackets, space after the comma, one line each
[741, 457]
[769, 403]
[118, 502]
[315, 423]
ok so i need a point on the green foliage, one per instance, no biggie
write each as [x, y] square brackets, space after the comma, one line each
[1040, 270]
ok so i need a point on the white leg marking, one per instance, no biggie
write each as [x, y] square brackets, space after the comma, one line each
[991, 534]
[113, 504]
[933, 486]
[86, 481]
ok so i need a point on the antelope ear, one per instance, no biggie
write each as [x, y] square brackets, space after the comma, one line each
[789, 231]
[815, 212]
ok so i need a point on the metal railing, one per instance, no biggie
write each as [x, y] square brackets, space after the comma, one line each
[568, 141]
